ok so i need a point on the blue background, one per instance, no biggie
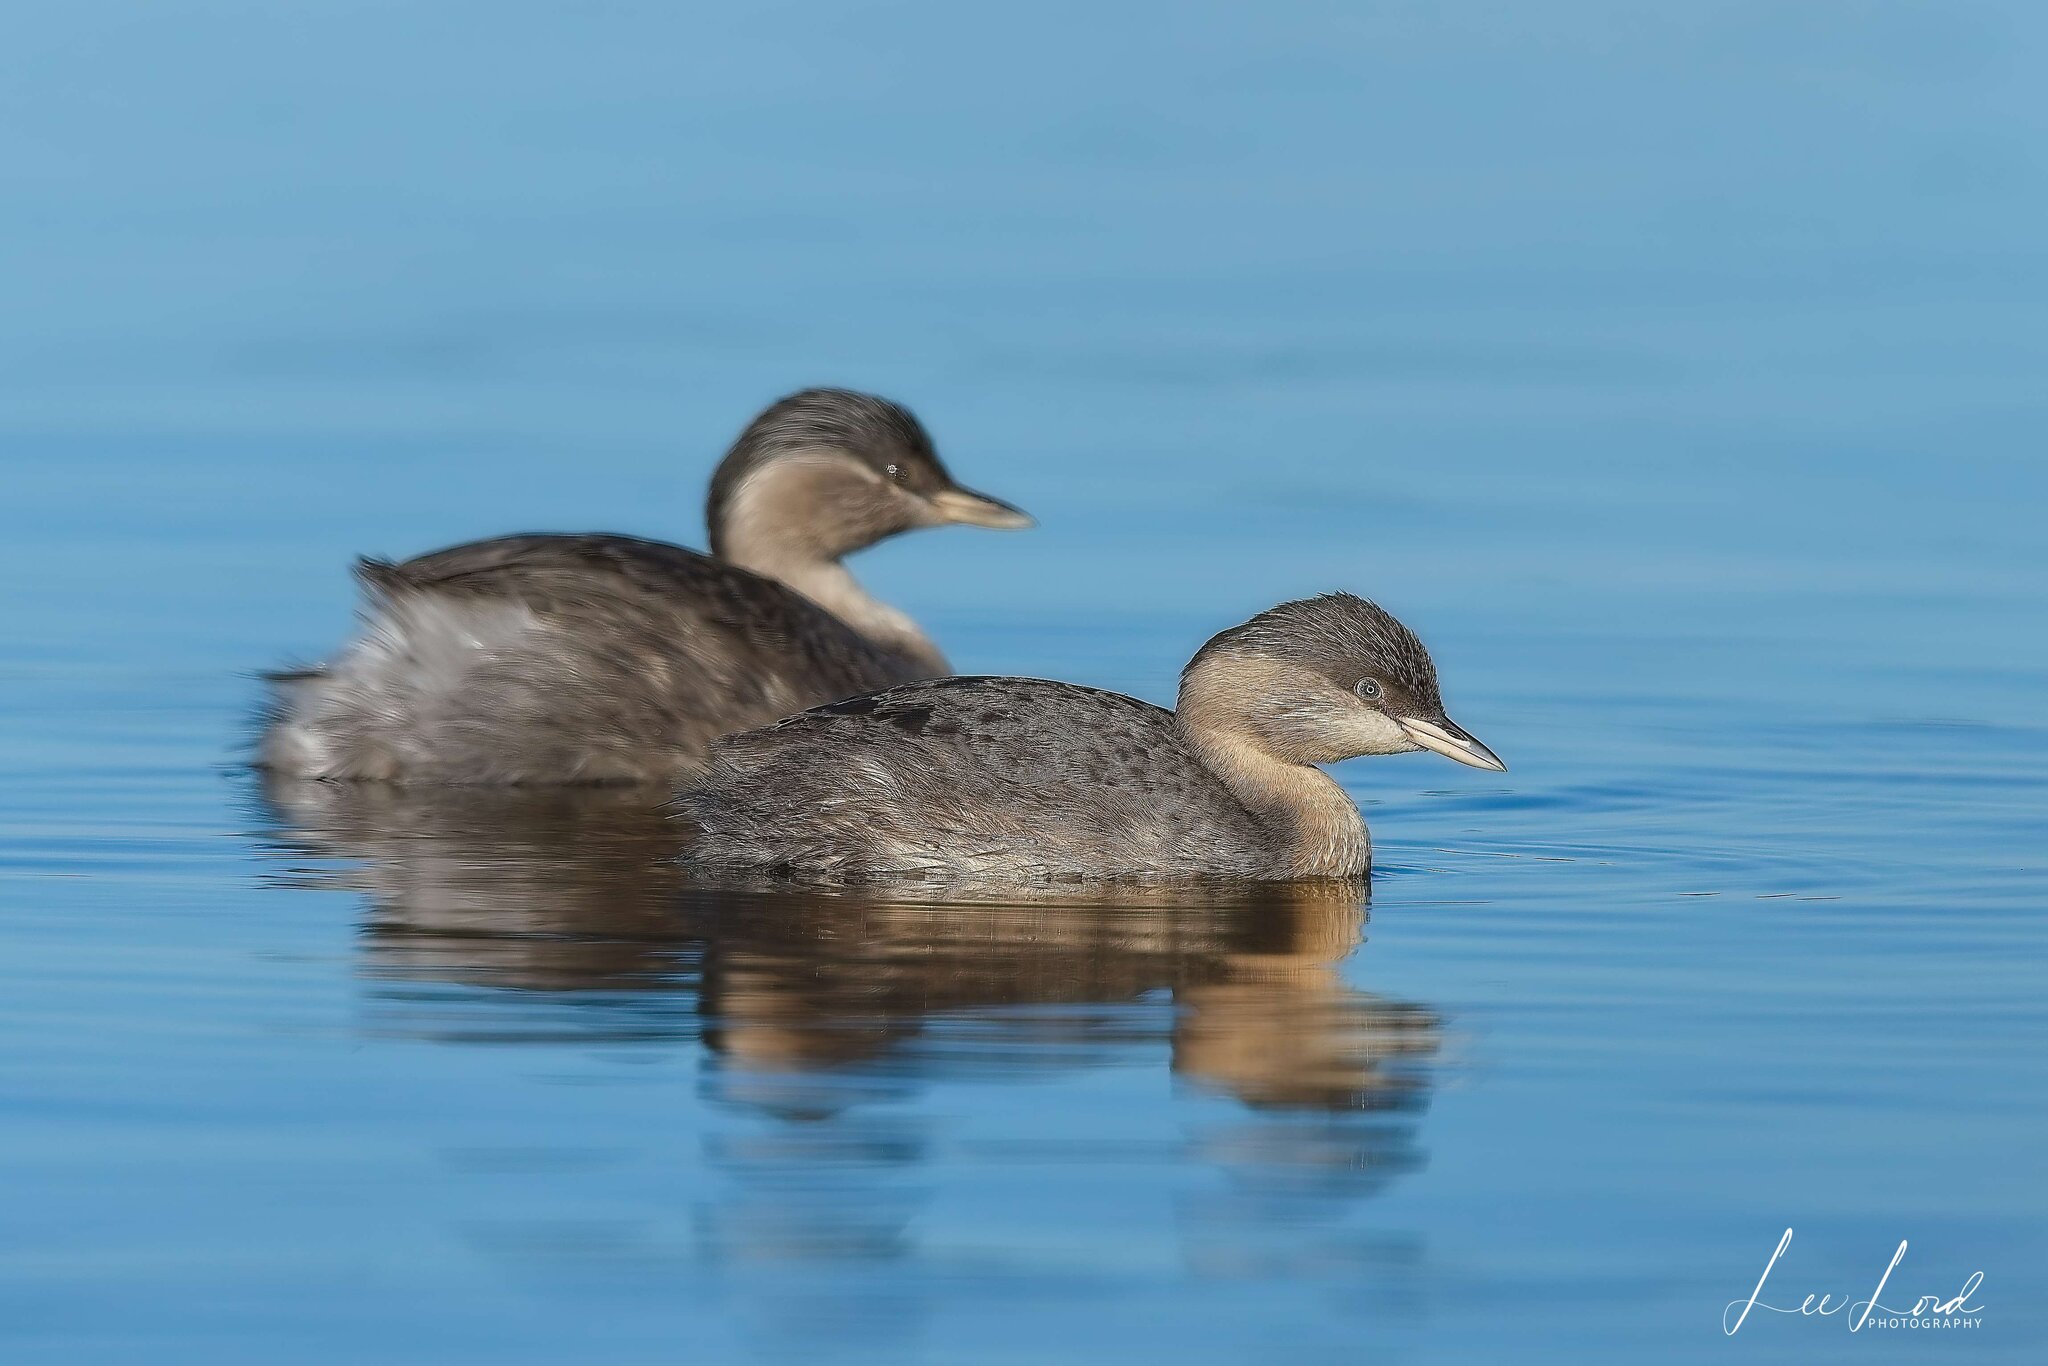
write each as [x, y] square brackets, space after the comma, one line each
[1675, 371]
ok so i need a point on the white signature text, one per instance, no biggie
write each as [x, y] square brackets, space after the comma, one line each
[1928, 1311]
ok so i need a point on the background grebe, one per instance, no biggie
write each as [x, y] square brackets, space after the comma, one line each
[611, 659]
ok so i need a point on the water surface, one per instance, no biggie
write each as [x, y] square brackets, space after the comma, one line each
[1676, 375]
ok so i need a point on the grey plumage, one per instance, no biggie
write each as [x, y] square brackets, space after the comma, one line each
[1023, 779]
[964, 776]
[610, 659]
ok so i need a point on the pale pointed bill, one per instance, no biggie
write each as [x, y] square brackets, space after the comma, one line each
[1450, 739]
[968, 508]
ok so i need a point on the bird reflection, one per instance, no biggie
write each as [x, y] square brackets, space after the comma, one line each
[1244, 988]
[561, 895]
[563, 915]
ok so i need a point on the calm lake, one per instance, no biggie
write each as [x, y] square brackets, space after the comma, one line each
[1676, 373]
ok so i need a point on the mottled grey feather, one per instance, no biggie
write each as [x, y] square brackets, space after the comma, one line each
[564, 658]
[1001, 777]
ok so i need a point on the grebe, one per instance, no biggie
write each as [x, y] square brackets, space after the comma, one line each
[1023, 779]
[611, 659]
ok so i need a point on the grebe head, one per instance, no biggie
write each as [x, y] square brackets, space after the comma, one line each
[825, 472]
[1322, 680]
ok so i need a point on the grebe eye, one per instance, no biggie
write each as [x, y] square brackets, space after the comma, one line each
[1369, 689]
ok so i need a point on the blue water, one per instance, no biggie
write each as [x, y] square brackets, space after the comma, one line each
[1676, 371]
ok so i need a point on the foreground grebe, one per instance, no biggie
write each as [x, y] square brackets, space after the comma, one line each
[1022, 779]
[610, 659]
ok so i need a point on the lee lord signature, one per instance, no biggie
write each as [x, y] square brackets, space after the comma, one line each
[1926, 1305]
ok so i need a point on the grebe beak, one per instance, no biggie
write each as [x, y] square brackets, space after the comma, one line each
[969, 508]
[1451, 740]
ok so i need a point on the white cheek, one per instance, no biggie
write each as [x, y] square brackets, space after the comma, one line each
[1375, 732]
